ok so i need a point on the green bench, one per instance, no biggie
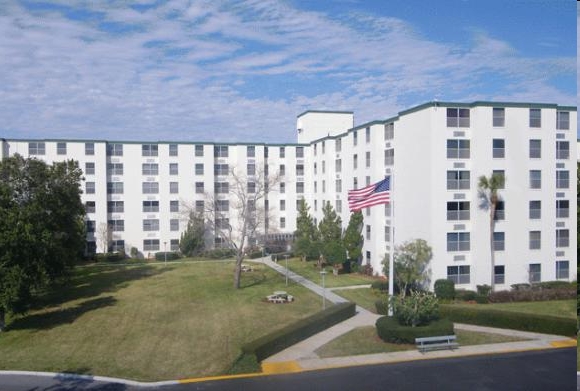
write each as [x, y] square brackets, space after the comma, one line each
[436, 343]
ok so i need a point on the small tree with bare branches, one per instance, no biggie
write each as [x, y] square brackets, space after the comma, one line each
[105, 235]
[236, 211]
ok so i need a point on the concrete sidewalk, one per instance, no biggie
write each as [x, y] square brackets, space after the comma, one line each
[302, 356]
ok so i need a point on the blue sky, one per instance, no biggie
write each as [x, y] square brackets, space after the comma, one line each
[189, 70]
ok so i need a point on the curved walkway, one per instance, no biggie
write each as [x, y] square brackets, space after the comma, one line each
[302, 356]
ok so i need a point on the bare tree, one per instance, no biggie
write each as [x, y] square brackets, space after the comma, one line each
[104, 234]
[237, 211]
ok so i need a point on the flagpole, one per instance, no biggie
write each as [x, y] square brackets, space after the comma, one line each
[392, 245]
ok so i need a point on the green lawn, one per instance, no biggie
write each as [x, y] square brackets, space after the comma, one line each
[150, 322]
[309, 271]
[364, 340]
[365, 297]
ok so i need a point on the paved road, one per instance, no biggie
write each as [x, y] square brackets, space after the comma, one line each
[530, 371]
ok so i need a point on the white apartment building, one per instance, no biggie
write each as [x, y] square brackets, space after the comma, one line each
[434, 152]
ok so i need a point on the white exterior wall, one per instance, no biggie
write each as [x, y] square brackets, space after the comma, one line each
[419, 184]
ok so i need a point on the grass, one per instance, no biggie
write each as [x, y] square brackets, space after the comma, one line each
[150, 322]
[364, 340]
[365, 297]
[309, 271]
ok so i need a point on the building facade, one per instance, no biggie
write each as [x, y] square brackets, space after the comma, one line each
[434, 153]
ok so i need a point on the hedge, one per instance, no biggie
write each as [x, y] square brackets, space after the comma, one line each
[444, 289]
[510, 320]
[171, 256]
[543, 294]
[279, 340]
[389, 330]
[382, 306]
[380, 285]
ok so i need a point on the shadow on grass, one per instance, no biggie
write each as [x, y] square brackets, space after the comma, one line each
[252, 279]
[48, 320]
[92, 281]
[68, 382]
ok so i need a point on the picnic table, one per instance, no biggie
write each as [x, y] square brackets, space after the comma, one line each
[280, 297]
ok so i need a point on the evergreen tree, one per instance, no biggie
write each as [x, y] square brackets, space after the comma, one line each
[352, 239]
[192, 241]
[330, 229]
[306, 236]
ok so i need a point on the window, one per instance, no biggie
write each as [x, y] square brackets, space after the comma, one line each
[151, 225]
[61, 148]
[222, 187]
[220, 151]
[498, 148]
[355, 161]
[387, 234]
[535, 149]
[91, 247]
[354, 138]
[150, 206]
[222, 223]
[114, 187]
[282, 187]
[174, 244]
[198, 168]
[300, 152]
[368, 135]
[499, 211]
[458, 149]
[150, 169]
[151, 245]
[282, 170]
[355, 183]
[221, 169]
[173, 187]
[199, 206]
[251, 187]
[562, 238]
[535, 272]
[89, 148]
[199, 150]
[323, 147]
[368, 159]
[367, 180]
[173, 169]
[368, 232]
[150, 188]
[389, 157]
[90, 207]
[251, 167]
[501, 174]
[458, 180]
[499, 241]
[300, 169]
[250, 151]
[535, 240]
[90, 168]
[299, 187]
[315, 149]
[266, 152]
[116, 225]
[562, 179]
[457, 118]
[338, 206]
[174, 206]
[115, 168]
[91, 225]
[498, 116]
[174, 225]
[323, 166]
[36, 148]
[172, 149]
[117, 245]
[114, 149]
[90, 187]
[389, 131]
[499, 274]
[535, 179]
[282, 205]
[562, 150]
[458, 241]
[115, 206]
[562, 120]
[338, 145]
[282, 152]
[315, 171]
[315, 187]
[535, 118]
[562, 270]
[535, 210]
[562, 208]
[458, 274]
[458, 211]
[338, 186]
[149, 150]
[222, 206]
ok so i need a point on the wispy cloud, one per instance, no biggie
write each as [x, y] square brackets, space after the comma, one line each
[206, 70]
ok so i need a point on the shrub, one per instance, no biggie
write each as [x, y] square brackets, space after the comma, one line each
[555, 285]
[444, 289]
[521, 287]
[281, 256]
[134, 252]
[389, 330]
[482, 299]
[281, 339]
[109, 257]
[532, 295]
[510, 320]
[416, 309]
[219, 253]
[483, 290]
[366, 270]
[382, 306]
[380, 285]
[171, 256]
[465, 295]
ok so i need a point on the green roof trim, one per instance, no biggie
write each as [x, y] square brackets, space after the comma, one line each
[324, 112]
[486, 104]
[155, 142]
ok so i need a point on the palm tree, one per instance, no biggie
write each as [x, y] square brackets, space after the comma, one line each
[489, 197]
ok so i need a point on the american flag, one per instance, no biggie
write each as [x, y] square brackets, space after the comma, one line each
[375, 194]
